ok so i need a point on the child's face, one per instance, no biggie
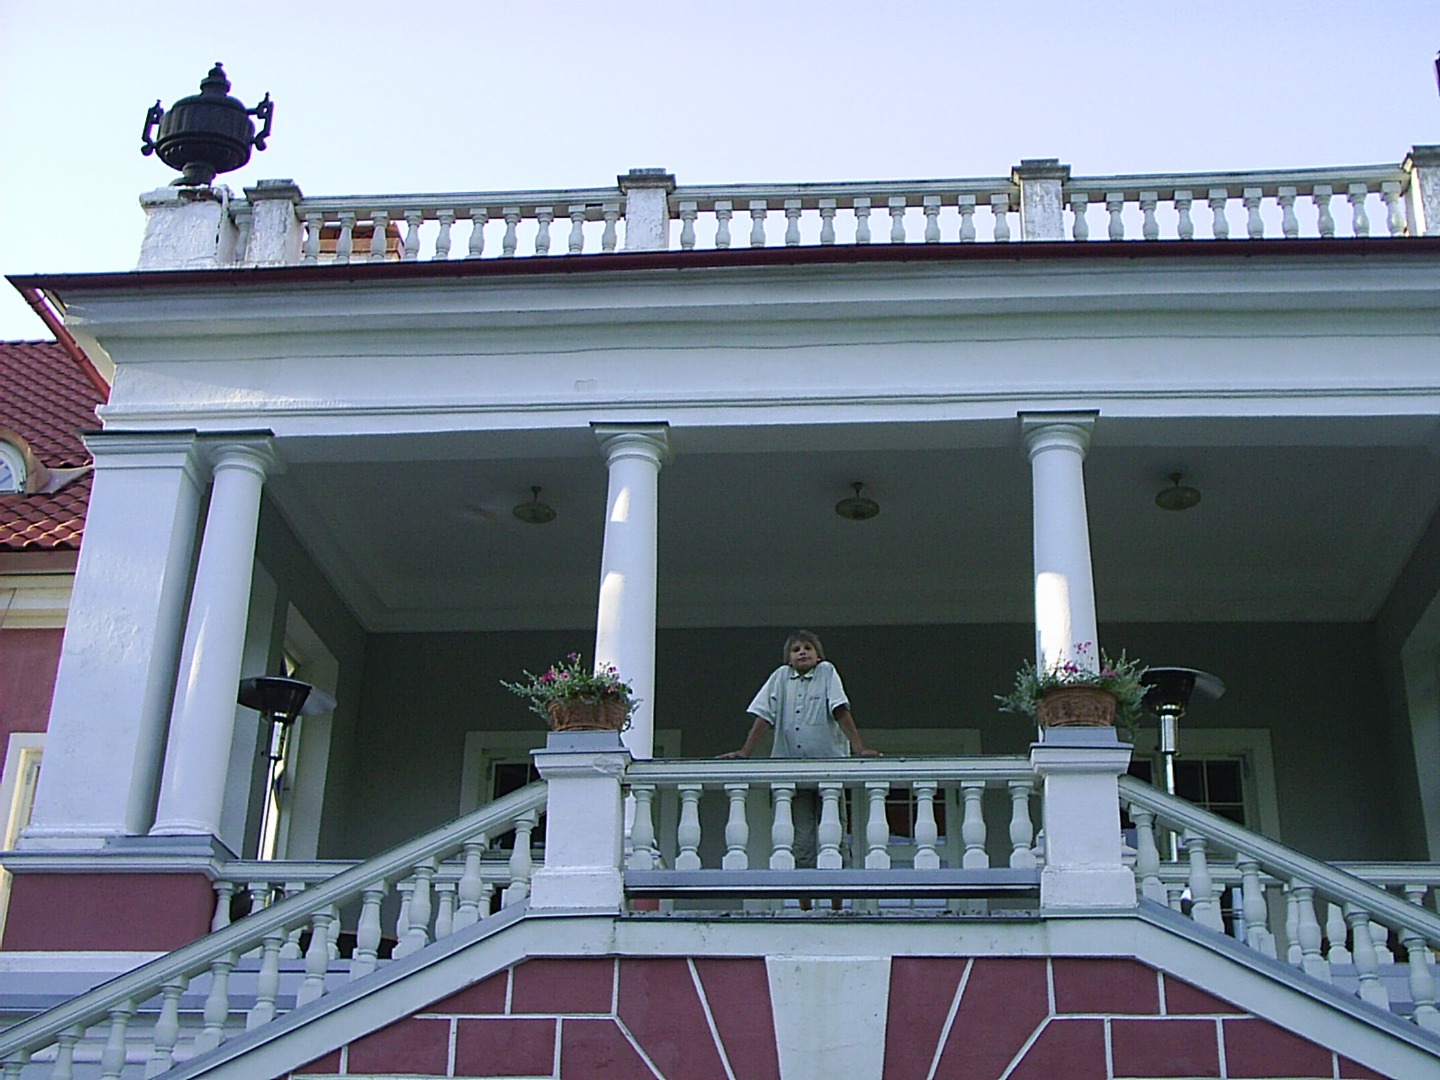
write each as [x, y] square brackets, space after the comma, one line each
[803, 656]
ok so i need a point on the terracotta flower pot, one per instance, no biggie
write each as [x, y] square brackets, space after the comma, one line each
[607, 715]
[1077, 706]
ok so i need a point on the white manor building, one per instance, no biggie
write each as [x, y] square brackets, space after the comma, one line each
[324, 415]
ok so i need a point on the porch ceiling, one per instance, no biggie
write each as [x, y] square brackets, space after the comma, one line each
[1303, 520]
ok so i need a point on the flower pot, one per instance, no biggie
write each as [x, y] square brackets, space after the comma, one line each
[1076, 706]
[607, 715]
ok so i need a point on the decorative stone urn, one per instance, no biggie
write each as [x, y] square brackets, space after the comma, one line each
[607, 715]
[1076, 706]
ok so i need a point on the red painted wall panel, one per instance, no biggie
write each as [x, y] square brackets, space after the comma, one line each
[107, 911]
[28, 661]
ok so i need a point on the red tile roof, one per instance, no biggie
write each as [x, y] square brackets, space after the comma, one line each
[47, 399]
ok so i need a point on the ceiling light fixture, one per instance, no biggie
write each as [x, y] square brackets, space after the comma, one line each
[534, 512]
[1178, 496]
[857, 507]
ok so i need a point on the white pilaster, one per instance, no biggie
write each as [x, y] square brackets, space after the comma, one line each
[585, 822]
[117, 663]
[192, 788]
[186, 229]
[1042, 197]
[276, 231]
[625, 623]
[1079, 771]
[1064, 583]
[1423, 195]
[647, 209]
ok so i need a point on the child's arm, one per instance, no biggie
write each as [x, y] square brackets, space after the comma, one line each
[757, 732]
[847, 725]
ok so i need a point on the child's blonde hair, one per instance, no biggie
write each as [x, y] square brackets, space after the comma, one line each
[805, 636]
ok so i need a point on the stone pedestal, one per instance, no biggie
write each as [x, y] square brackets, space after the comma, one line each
[585, 822]
[1080, 770]
[187, 229]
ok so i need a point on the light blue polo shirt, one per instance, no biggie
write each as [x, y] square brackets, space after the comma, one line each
[801, 709]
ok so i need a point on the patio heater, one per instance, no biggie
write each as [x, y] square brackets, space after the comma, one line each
[280, 701]
[1170, 692]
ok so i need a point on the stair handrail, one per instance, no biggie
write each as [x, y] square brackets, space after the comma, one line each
[143, 982]
[1283, 862]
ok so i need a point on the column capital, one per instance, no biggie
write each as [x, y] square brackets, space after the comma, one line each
[254, 451]
[1041, 431]
[649, 441]
[143, 449]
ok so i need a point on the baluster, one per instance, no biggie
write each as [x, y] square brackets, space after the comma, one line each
[417, 931]
[446, 220]
[1147, 854]
[966, 205]
[112, 1058]
[1308, 932]
[1184, 200]
[1361, 221]
[1203, 908]
[1336, 933]
[1150, 227]
[1115, 205]
[543, 216]
[64, 1068]
[1254, 224]
[862, 220]
[829, 834]
[932, 219]
[380, 224]
[267, 982]
[1367, 963]
[291, 949]
[445, 909]
[406, 889]
[15, 1065]
[521, 861]
[478, 217]
[1415, 893]
[610, 211]
[576, 243]
[314, 222]
[792, 222]
[757, 232]
[827, 221]
[469, 889]
[1394, 208]
[897, 219]
[737, 829]
[642, 831]
[217, 1004]
[224, 891]
[927, 834]
[1422, 980]
[877, 826]
[688, 212]
[687, 835]
[972, 830]
[1320, 195]
[345, 242]
[1257, 932]
[511, 240]
[1175, 895]
[367, 932]
[1000, 210]
[259, 900]
[1293, 955]
[1219, 224]
[163, 1039]
[317, 959]
[724, 211]
[1289, 223]
[1079, 227]
[332, 940]
[411, 251]
[782, 831]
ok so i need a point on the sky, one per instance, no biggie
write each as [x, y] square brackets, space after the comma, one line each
[475, 95]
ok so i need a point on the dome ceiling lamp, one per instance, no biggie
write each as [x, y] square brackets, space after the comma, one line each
[1179, 496]
[856, 507]
[534, 512]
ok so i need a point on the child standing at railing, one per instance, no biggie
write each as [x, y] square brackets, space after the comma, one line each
[805, 705]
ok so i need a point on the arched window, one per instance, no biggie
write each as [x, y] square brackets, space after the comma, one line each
[12, 468]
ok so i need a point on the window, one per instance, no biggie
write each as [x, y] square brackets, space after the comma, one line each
[17, 797]
[1228, 771]
[12, 468]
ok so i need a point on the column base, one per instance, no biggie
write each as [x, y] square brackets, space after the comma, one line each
[1110, 887]
[600, 888]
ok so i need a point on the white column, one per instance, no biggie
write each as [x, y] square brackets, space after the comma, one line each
[584, 822]
[117, 664]
[625, 623]
[192, 788]
[647, 209]
[1064, 585]
[1080, 770]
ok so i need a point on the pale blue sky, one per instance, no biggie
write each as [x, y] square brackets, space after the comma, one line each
[455, 95]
